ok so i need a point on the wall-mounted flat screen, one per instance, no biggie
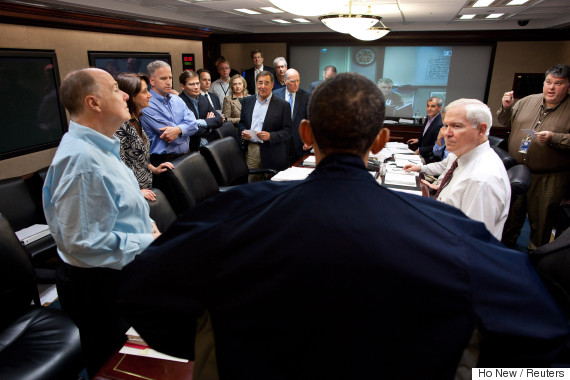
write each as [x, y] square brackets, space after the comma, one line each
[33, 118]
[415, 72]
[125, 62]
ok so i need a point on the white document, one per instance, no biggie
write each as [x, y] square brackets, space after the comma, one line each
[30, 234]
[415, 192]
[252, 135]
[292, 174]
[400, 179]
[310, 161]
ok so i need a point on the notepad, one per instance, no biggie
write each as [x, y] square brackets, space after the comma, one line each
[400, 179]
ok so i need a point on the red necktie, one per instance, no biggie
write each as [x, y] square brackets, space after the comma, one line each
[447, 178]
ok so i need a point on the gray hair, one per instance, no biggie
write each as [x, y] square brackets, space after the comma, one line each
[559, 71]
[279, 59]
[436, 99]
[155, 65]
[476, 112]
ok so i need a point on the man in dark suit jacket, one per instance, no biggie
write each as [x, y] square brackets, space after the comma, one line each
[205, 84]
[250, 74]
[206, 116]
[328, 72]
[337, 267]
[424, 144]
[296, 149]
[265, 125]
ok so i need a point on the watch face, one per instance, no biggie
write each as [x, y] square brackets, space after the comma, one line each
[364, 57]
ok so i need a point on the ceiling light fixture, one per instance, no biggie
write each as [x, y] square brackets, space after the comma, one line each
[494, 15]
[308, 8]
[466, 17]
[272, 9]
[517, 2]
[247, 11]
[301, 20]
[280, 21]
[374, 33]
[350, 23]
[482, 3]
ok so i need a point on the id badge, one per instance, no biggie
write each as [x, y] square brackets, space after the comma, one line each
[524, 146]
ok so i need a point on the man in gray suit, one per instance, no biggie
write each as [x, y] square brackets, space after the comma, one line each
[298, 99]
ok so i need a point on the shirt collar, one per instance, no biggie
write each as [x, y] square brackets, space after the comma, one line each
[160, 98]
[287, 94]
[473, 153]
[433, 117]
[265, 101]
[104, 143]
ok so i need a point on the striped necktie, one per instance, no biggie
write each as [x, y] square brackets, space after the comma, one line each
[446, 178]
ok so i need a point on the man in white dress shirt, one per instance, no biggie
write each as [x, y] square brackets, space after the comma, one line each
[477, 182]
[221, 86]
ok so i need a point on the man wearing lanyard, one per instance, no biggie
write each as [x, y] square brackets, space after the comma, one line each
[540, 139]
[221, 87]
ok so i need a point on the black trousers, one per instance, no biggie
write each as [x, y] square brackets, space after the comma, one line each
[88, 296]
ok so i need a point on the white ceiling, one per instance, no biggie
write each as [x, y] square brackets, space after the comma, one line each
[399, 15]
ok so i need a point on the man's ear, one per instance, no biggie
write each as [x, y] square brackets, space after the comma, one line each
[380, 140]
[92, 103]
[482, 129]
[306, 133]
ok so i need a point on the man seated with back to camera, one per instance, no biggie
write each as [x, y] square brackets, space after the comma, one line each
[295, 277]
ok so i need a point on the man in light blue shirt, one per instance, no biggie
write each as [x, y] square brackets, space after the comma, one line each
[167, 121]
[95, 211]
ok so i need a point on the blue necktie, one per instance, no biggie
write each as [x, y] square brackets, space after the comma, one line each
[291, 103]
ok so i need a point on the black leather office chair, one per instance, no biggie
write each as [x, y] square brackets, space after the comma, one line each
[35, 342]
[189, 183]
[21, 205]
[508, 160]
[519, 177]
[161, 211]
[227, 130]
[228, 164]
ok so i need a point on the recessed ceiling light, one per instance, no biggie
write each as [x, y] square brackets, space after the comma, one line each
[248, 11]
[186, 1]
[272, 9]
[281, 21]
[301, 20]
[495, 15]
[517, 2]
[466, 17]
[482, 3]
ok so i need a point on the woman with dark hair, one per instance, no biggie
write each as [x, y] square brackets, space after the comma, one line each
[135, 146]
[232, 105]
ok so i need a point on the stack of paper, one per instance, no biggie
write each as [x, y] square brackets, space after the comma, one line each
[136, 346]
[405, 159]
[292, 174]
[310, 161]
[400, 179]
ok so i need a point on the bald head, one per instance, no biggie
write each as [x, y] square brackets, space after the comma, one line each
[77, 85]
[292, 80]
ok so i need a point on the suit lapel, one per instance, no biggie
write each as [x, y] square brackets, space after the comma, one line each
[270, 110]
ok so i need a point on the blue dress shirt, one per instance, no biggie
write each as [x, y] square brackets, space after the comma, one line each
[259, 112]
[92, 202]
[168, 111]
[440, 150]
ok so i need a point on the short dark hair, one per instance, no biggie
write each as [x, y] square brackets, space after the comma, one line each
[354, 129]
[265, 73]
[203, 71]
[131, 84]
[255, 51]
[75, 87]
[331, 68]
[559, 71]
[183, 78]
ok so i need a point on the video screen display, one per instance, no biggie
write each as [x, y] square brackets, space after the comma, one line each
[33, 118]
[414, 73]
